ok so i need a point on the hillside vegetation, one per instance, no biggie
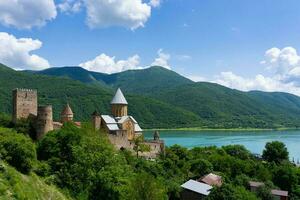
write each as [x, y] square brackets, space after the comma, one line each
[15, 185]
[85, 99]
[84, 165]
[208, 105]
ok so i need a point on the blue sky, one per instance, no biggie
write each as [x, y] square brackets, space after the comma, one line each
[223, 41]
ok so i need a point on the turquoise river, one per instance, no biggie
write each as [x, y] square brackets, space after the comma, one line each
[252, 140]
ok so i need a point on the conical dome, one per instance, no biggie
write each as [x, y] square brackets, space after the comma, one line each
[119, 98]
[67, 110]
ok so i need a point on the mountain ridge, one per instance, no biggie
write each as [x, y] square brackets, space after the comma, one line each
[206, 104]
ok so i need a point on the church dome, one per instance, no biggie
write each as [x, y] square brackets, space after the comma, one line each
[119, 98]
[67, 110]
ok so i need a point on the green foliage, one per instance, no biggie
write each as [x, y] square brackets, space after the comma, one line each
[201, 167]
[146, 187]
[229, 192]
[17, 149]
[238, 151]
[139, 146]
[275, 152]
[203, 104]
[85, 163]
[14, 185]
[264, 193]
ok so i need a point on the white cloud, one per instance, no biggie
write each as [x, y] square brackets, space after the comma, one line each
[283, 61]
[25, 14]
[259, 82]
[106, 64]
[284, 65]
[17, 52]
[70, 6]
[196, 78]
[162, 59]
[126, 13]
[155, 3]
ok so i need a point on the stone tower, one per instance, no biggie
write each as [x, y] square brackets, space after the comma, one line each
[66, 114]
[44, 121]
[24, 104]
[119, 104]
[96, 120]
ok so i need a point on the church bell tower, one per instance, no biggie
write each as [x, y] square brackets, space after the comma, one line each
[119, 104]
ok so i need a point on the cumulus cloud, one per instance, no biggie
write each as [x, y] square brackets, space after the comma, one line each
[284, 64]
[106, 64]
[259, 82]
[162, 59]
[26, 14]
[70, 6]
[283, 61]
[126, 13]
[16, 52]
[155, 3]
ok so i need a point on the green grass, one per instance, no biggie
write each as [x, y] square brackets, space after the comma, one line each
[14, 185]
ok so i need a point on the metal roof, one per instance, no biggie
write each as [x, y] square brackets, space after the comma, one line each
[281, 193]
[119, 98]
[67, 110]
[212, 179]
[137, 128]
[112, 127]
[197, 187]
[108, 119]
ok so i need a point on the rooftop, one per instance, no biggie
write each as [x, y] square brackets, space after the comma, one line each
[281, 193]
[197, 187]
[119, 98]
[67, 110]
[212, 179]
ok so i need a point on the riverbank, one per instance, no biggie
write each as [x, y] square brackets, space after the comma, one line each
[224, 129]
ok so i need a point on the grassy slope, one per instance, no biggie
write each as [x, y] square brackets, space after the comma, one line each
[14, 185]
[84, 99]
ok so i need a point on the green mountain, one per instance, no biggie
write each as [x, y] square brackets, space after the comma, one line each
[84, 99]
[213, 104]
[133, 81]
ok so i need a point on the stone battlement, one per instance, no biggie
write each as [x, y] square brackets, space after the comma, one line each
[25, 90]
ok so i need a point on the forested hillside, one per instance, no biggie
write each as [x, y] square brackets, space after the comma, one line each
[85, 99]
[213, 105]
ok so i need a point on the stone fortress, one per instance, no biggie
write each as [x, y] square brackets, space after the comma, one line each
[120, 127]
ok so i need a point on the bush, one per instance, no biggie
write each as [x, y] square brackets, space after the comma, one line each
[18, 150]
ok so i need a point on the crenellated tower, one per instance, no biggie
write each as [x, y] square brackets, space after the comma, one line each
[24, 104]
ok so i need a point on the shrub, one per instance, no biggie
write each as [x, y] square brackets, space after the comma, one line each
[17, 149]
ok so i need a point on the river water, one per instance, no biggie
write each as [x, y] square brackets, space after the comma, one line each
[253, 140]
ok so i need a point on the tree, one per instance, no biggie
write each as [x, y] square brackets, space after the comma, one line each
[237, 151]
[146, 187]
[275, 152]
[17, 149]
[201, 167]
[229, 192]
[140, 146]
[264, 192]
[285, 176]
